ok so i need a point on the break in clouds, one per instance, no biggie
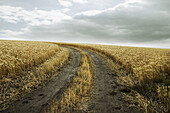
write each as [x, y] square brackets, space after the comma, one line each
[118, 22]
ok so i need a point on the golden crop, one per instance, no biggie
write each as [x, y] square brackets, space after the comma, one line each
[148, 71]
[16, 57]
[76, 95]
[26, 65]
[145, 71]
[143, 62]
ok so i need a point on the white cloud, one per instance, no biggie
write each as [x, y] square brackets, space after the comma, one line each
[127, 4]
[10, 19]
[134, 1]
[65, 3]
[34, 17]
[9, 33]
[80, 1]
[89, 13]
[65, 10]
[6, 12]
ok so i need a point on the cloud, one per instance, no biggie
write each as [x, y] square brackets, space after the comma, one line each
[9, 33]
[34, 17]
[65, 10]
[80, 1]
[65, 3]
[89, 13]
[134, 22]
[7, 11]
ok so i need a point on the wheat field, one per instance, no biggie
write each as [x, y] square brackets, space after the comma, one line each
[26, 65]
[143, 62]
[148, 70]
[17, 56]
[143, 71]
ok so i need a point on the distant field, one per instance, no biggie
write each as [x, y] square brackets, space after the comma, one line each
[138, 76]
[142, 62]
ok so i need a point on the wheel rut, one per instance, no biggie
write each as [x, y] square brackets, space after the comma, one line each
[35, 101]
[106, 96]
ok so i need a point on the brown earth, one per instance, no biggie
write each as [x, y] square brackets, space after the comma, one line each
[106, 94]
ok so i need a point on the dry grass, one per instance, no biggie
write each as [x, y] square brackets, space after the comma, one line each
[27, 65]
[17, 56]
[77, 94]
[145, 72]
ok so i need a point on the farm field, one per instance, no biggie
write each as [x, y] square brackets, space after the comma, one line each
[64, 78]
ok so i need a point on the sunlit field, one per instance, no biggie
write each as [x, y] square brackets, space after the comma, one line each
[141, 74]
[142, 70]
[26, 65]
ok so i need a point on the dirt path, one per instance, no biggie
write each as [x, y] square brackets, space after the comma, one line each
[35, 101]
[107, 98]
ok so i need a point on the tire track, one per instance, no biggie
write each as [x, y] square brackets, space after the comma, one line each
[38, 99]
[106, 96]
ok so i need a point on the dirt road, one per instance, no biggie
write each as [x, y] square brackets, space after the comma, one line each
[106, 96]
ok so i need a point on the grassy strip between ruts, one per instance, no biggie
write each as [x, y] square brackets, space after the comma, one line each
[77, 94]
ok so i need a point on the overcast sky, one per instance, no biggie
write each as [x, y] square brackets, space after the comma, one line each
[118, 22]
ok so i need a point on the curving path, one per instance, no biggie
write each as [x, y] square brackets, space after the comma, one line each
[106, 96]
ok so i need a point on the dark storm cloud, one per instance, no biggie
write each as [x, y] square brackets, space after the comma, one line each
[138, 22]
